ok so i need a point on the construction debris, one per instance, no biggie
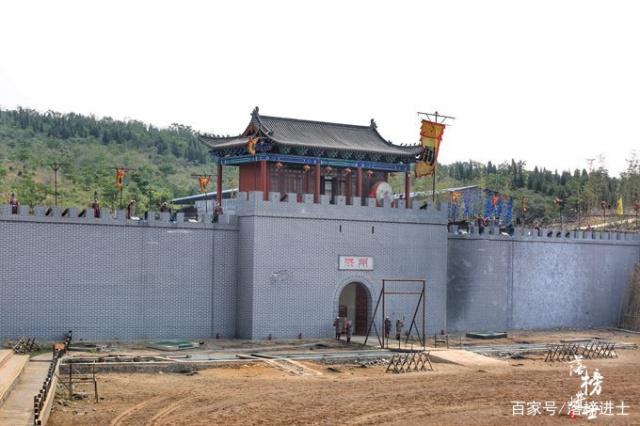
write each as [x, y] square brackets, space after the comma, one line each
[373, 362]
[25, 346]
[443, 339]
[487, 335]
[173, 345]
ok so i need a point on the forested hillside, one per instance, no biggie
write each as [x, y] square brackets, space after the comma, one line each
[581, 191]
[88, 150]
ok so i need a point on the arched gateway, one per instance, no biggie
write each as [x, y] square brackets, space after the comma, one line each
[354, 304]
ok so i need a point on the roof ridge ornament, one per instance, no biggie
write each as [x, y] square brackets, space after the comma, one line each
[255, 115]
[373, 124]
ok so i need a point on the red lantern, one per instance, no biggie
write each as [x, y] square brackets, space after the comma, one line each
[347, 171]
[306, 168]
[279, 165]
[328, 169]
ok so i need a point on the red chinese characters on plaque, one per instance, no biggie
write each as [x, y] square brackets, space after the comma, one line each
[355, 263]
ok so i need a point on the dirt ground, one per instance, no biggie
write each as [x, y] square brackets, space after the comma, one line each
[261, 394]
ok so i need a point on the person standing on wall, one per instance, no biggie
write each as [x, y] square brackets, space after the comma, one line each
[95, 206]
[131, 206]
[14, 203]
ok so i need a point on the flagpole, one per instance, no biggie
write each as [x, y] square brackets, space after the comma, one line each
[433, 188]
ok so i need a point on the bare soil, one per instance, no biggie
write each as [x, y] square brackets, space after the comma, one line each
[259, 394]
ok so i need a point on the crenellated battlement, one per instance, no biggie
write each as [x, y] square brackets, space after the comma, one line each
[107, 217]
[292, 205]
[492, 232]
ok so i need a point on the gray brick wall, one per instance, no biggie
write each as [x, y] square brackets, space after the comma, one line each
[272, 268]
[294, 283]
[478, 282]
[111, 279]
[570, 285]
[531, 282]
[245, 276]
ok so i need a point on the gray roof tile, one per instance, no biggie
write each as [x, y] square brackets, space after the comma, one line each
[317, 134]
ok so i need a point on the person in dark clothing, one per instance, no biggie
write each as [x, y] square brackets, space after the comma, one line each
[336, 325]
[217, 211]
[14, 203]
[480, 222]
[95, 206]
[131, 207]
[399, 325]
[387, 327]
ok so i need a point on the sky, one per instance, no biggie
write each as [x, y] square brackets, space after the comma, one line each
[552, 83]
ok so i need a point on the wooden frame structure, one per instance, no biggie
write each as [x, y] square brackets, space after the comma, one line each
[421, 302]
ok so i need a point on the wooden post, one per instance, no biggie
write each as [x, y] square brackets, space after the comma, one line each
[407, 189]
[263, 180]
[316, 193]
[359, 184]
[70, 381]
[218, 186]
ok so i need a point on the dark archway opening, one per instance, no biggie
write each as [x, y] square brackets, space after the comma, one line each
[354, 304]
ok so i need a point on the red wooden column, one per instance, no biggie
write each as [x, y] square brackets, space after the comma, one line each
[263, 180]
[349, 192]
[316, 192]
[407, 189]
[219, 185]
[359, 184]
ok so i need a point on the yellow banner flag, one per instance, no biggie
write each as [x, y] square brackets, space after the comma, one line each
[203, 181]
[619, 208]
[120, 173]
[430, 138]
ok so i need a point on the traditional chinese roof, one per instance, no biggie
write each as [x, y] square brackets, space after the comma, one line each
[313, 138]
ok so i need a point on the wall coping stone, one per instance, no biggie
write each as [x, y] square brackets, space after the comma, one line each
[531, 235]
[225, 222]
